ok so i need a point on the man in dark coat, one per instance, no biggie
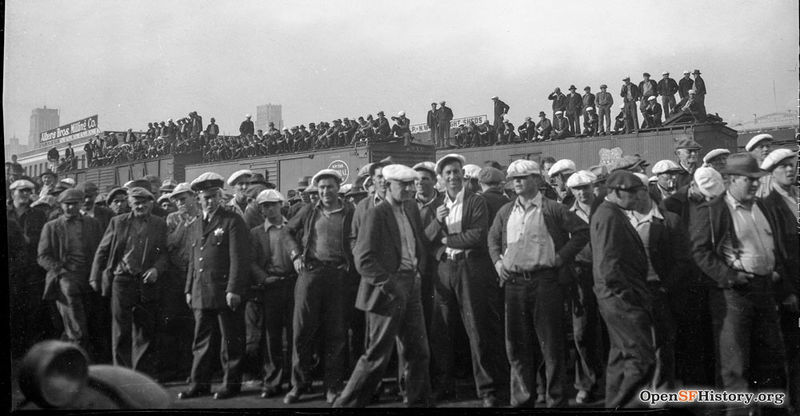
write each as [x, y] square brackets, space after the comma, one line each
[443, 119]
[684, 85]
[574, 110]
[667, 87]
[559, 101]
[500, 110]
[700, 91]
[619, 262]
[630, 93]
[247, 128]
[433, 125]
[688, 152]
[216, 280]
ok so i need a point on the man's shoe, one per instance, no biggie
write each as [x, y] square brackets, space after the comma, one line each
[490, 401]
[582, 397]
[330, 396]
[269, 392]
[192, 393]
[293, 395]
[540, 399]
[225, 394]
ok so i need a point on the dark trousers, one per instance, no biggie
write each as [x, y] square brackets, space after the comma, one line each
[460, 293]
[267, 316]
[587, 330]
[534, 310]
[748, 339]
[664, 339]
[404, 324]
[99, 326]
[631, 117]
[133, 324]
[791, 341]
[694, 344]
[574, 123]
[434, 137]
[667, 104]
[175, 328]
[356, 340]
[631, 358]
[319, 310]
[32, 319]
[604, 116]
[226, 328]
[444, 132]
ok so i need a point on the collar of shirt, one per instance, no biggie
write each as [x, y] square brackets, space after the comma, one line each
[321, 207]
[733, 203]
[376, 199]
[641, 219]
[458, 200]
[579, 207]
[268, 225]
[535, 202]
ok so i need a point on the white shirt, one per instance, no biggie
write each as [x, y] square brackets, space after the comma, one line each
[528, 243]
[453, 219]
[642, 225]
[755, 252]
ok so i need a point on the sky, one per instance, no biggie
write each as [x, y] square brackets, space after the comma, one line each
[132, 62]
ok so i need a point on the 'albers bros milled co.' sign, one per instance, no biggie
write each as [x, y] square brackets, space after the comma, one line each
[72, 131]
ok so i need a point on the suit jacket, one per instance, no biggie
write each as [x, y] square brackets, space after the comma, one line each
[431, 122]
[112, 248]
[51, 255]
[378, 254]
[574, 103]
[699, 85]
[669, 250]
[474, 227]
[619, 260]
[667, 86]
[218, 260]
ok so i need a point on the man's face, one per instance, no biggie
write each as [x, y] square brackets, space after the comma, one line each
[560, 181]
[47, 180]
[71, 209]
[583, 194]
[687, 157]
[546, 168]
[433, 106]
[784, 174]
[599, 189]
[313, 198]
[686, 76]
[241, 187]
[743, 188]
[667, 180]
[761, 151]
[453, 176]
[425, 182]
[526, 185]
[88, 202]
[140, 206]
[210, 200]
[400, 191]
[167, 206]
[328, 190]
[642, 200]
[119, 204]
[270, 209]
[184, 201]
[380, 183]
[304, 196]
[719, 162]
[646, 77]
[22, 196]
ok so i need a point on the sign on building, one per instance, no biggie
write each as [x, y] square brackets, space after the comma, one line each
[422, 128]
[76, 130]
[341, 167]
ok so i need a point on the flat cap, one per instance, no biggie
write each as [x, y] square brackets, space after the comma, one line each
[141, 183]
[363, 171]
[100, 198]
[59, 188]
[715, 153]
[181, 188]
[429, 166]
[686, 143]
[686, 72]
[311, 189]
[327, 173]
[449, 158]
[581, 178]
[775, 157]
[665, 73]
[572, 87]
[380, 113]
[88, 188]
[258, 178]
[401, 173]
[471, 171]
[587, 88]
[114, 192]
[646, 74]
[269, 195]
[206, 181]
[239, 175]
[491, 175]
[494, 97]
[624, 180]
[71, 196]
[168, 185]
[753, 142]
[68, 181]
[139, 192]
[628, 162]
[163, 198]
[558, 113]
[665, 166]
[709, 182]
[603, 86]
[47, 172]
[627, 78]
[22, 184]
[344, 189]
[562, 166]
[589, 108]
[522, 167]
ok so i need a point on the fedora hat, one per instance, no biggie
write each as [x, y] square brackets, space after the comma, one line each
[743, 164]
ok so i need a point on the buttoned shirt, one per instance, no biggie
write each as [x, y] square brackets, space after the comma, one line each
[641, 223]
[280, 262]
[135, 248]
[454, 217]
[789, 197]
[529, 245]
[755, 251]
[408, 258]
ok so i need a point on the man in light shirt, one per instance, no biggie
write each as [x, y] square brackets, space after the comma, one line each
[530, 240]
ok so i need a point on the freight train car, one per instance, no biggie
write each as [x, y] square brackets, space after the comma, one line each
[106, 177]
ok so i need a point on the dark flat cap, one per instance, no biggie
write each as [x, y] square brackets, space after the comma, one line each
[743, 164]
[70, 196]
[490, 175]
[624, 180]
[687, 143]
[114, 192]
[139, 192]
[88, 188]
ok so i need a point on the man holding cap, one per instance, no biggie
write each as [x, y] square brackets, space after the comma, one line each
[216, 280]
[667, 87]
[737, 244]
[389, 293]
[130, 259]
[529, 241]
[666, 171]
[620, 267]
[270, 309]
[66, 249]
[687, 151]
[239, 180]
[630, 93]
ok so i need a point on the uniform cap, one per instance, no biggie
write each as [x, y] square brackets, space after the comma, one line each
[715, 153]
[429, 166]
[581, 178]
[239, 175]
[709, 182]
[114, 192]
[521, 168]
[753, 142]
[269, 195]
[775, 157]
[88, 188]
[472, 171]
[71, 196]
[664, 166]
[687, 143]
[327, 173]
[562, 166]
[208, 180]
[401, 173]
[22, 184]
[491, 175]
[624, 180]
[59, 188]
[182, 187]
[449, 158]
[138, 192]
[743, 164]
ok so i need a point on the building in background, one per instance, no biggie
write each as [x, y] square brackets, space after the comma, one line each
[269, 113]
[42, 119]
[12, 146]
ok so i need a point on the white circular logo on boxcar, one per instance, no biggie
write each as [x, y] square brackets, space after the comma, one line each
[341, 167]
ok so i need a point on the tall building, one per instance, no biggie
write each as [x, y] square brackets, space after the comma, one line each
[269, 113]
[42, 119]
[13, 147]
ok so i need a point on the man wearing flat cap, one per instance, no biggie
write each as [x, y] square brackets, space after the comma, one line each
[66, 249]
[389, 293]
[531, 241]
[738, 245]
[428, 199]
[491, 182]
[433, 125]
[443, 119]
[684, 85]
[688, 152]
[630, 93]
[247, 128]
[543, 128]
[759, 147]
[302, 184]
[239, 181]
[665, 186]
[117, 201]
[89, 208]
[216, 280]
[319, 241]
[604, 101]
[49, 180]
[647, 88]
[619, 262]
[667, 87]
[652, 113]
[716, 159]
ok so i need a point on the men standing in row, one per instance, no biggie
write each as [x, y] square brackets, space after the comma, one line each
[500, 110]
[604, 102]
[530, 241]
[443, 119]
[630, 94]
[667, 87]
[574, 110]
[216, 280]
[433, 125]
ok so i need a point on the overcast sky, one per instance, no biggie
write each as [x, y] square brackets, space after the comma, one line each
[138, 61]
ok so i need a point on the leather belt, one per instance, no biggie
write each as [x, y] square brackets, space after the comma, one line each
[461, 255]
[529, 274]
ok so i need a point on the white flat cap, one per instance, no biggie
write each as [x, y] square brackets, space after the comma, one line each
[756, 140]
[239, 174]
[494, 97]
[581, 178]
[562, 166]
[345, 188]
[163, 198]
[22, 184]
[642, 177]
[709, 182]
[651, 98]
[68, 181]
[269, 195]
[686, 72]
[448, 158]
[181, 188]
[400, 173]
[522, 167]
[327, 173]
[665, 73]
[715, 153]
[429, 166]
[589, 108]
[775, 157]
[472, 171]
[664, 166]
[247, 115]
[558, 112]
[206, 181]
[401, 114]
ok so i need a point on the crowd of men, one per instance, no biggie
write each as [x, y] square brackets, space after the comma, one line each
[690, 276]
